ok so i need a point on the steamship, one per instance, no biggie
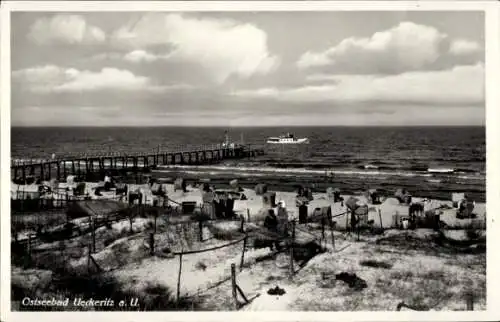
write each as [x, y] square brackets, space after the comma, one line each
[289, 138]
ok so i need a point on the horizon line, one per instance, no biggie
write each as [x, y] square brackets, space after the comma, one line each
[241, 126]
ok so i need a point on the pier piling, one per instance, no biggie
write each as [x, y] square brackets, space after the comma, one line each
[136, 162]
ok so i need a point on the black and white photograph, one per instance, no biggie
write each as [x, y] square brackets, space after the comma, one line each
[247, 160]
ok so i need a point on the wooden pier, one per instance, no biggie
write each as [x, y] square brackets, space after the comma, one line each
[62, 167]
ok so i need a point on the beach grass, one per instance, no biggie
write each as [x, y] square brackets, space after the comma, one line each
[151, 297]
[423, 281]
[413, 267]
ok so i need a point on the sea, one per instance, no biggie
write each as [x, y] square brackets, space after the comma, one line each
[352, 159]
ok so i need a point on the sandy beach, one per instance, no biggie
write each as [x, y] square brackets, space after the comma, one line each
[253, 203]
[205, 275]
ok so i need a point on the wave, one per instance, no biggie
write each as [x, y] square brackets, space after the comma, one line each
[478, 177]
[441, 170]
[354, 164]
[256, 168]
[236, 173]
[322, 165]
[222, 169]
[465, 170]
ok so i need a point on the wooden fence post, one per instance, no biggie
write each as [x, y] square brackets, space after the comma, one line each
[88, 258]
[233, 284]
[151, 244]
[332, 235]
[243, 252]
[242, 223]
[292, 270]
[200, 230]
[248, 215]
[323, 228]
[179, 277]
[358, 227]
[29, 245]
[380, 216]
[28, 250]
[92, 232]
[347, 221]
[469, 298]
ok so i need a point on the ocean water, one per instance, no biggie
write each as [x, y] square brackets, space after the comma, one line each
[351, 158]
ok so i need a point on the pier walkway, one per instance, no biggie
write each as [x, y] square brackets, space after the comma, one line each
[61, 167]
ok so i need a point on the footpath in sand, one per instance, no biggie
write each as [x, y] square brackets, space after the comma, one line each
[200, 271]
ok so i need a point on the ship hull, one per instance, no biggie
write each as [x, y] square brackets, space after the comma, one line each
[298, 141]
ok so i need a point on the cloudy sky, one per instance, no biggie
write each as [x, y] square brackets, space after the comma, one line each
[248, 68]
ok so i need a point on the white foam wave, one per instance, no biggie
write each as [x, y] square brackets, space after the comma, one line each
[370, 170]
[471, 177]
[290, 171]
[441, 170]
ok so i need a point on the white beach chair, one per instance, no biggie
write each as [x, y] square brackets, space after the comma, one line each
[456, 198]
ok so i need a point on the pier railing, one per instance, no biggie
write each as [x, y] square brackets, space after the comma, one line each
[163, 149]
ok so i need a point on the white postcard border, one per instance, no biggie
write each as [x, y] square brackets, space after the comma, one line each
[492, 67]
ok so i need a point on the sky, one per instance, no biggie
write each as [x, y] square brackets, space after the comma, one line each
[348, 68]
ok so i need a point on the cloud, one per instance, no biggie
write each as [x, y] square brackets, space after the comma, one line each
[138, 56]
[105, 56]
[405, 47]
[464, 47]
[68, 29]
[135, 56]
[53, 79]
[222, 47]
[49, 75]
[459, 86]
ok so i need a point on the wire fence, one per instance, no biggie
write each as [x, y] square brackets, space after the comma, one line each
[88, 244]
[154, 238]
